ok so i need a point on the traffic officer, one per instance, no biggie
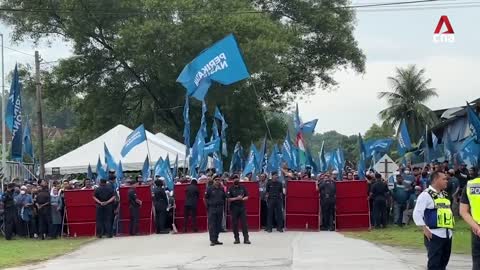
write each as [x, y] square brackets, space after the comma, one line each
[237, 195]
[328, 191]
[470, 212]
[434, 214]
[215, 200]
[160, 202]
[274, 195]
[134, 205]
[9, 211]
[104, 196]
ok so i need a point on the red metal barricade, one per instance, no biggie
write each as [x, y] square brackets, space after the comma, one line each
[302, 206]
[179, 192]
[80, 212]
[252, 206]
[144, 194]
[352, 209]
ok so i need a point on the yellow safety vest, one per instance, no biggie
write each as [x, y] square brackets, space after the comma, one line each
[473, 194]
[441, 216]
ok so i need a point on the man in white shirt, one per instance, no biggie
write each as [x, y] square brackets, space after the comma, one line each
[433, 213]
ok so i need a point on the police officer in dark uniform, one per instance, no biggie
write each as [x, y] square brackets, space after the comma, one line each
[237, 195]
[134, 205]
[215, 200]
[44, 210]
[274, 195]
[160, 202]
[9, 211]
[328, 191]
[104, 196]
[192, 194]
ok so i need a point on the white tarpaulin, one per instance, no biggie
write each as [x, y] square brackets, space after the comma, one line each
[77, 161]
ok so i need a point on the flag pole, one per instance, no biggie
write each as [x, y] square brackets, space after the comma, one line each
[148, 152]
[4, 139]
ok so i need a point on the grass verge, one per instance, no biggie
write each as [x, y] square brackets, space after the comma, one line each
[24, 251]
[412, 237]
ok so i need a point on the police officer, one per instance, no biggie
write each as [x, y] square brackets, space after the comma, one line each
[434, 214]
[160, 202]
[134, 205]
[470, 212]
[262, 186]
[237, 195]
[104, 197]
[274, 195]
[215, 200]
[42, 202]
[328, 191]
[192, 194]
[9, 211]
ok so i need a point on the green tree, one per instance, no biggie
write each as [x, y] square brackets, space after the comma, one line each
[379, 132]
[128, 54]
[410, 91]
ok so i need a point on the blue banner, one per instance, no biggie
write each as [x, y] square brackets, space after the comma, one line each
[470, 151]
[197, 150]
[222, 63]
[322, 160]
[109, 160]
[146, 170]
[101, 174]
[119, 172]
[27, 141]
[211, 147]
[305, 128]
[166, 173]
[236, 163]
[135, 138]
[219, 116]
[218, 162]
[158, 167]
[13, 116]
[404, 142]
[250, 167]
[273, 164]
[288, 153]
[186, 128]
[474, 121]
[380, 147]
[262, 156]
[203, 122]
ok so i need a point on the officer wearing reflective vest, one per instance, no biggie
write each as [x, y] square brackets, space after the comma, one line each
[434, 214]
[470, 212]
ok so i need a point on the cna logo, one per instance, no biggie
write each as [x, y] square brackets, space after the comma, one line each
[446, 36]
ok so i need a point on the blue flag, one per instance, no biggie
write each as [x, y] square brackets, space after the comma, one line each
[135, 138]
[101, 174]
[203, 122]
[211, 147]
[109, 160]
[166, 173]
[222, 63]
[434, 141]
[175, 168]
[448, 148]
[218, 163]
[27, 141]
[474, 121]
[381, 146]
[119, 172]
[470, 151]
[297, 122]
[273, 164]
[322, 160]
[262, 156]
[186, 127]
[89, 172]
[219, 116]
[146, 170]
[288, 154]
[158, 167]
[250, 167]
[305, 128]
[13, 116]
[404, 142]
[236, 163]
[197, 150]
[311, 162]
[363, 156]
[215, 133]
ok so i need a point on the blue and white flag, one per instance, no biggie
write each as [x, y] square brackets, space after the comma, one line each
[109, 160]
[27, 141]
[474, 121]
[273, 164]
[212, 147]
[305, 128]
[297, 122]
[175, 168]
[158, 167]
[222, 63]
[251, 165]
[166, 173]
[434, 141]
[448, 147]
[262, 156]
[288, 154]
[197, 150]
[236, 163]
[363, 157]
[101, 174]
[13, 116]
[381, 146]
[135, 138]
[322, 160]
[203, 122]
[119, 172]
[215, 133]
[404, 142]
[89, 172]
[218, 162]
[470, 151]
[146, 170]
[186, 127]
[219, 116]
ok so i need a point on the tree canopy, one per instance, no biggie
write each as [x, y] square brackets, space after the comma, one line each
[127, 55]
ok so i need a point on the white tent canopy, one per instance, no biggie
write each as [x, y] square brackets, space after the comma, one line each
[77, 161]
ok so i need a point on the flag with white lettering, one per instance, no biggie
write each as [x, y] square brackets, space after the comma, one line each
[222, 63]
[13, 116]
[135, 138]
[186, 127]
[219, 116]
[404, 142]
[146, 170]
[27, 141]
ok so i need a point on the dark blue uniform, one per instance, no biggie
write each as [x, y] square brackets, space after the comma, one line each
[327, 202]
[160, 202]
[134, 211]
[238, 211]
[274, 194]
[9, 213]
[215, 197]
[192, 194]
[104, 213]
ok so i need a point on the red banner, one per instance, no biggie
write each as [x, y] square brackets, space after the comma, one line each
[144, 194]
[352, 209]
[80, 212]
[180, 196]
[302, 206]
[252, 206]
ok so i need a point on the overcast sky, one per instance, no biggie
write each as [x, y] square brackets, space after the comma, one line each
[389, 39]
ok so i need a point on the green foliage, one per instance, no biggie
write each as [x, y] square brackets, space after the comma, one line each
[410, 91]
[128, 54]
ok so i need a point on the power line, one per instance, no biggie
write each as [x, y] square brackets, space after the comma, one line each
[15, 50]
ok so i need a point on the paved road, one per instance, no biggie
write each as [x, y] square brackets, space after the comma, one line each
[290, 250]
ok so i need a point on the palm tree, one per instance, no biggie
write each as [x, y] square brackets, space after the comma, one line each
[410, 90]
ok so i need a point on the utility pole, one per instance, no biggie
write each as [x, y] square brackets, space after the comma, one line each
[39, 115]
